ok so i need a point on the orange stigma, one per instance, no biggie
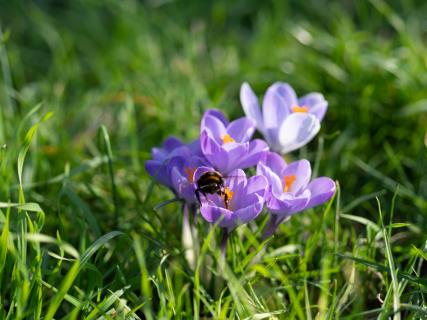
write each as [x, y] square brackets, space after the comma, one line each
[190, 174]
[288, 181]
[302, 109]
[227, 138]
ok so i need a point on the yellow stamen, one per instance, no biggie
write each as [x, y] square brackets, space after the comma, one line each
[190, 174]
[303, 109]
[227, 138]
[229, 193]
[288, 181]
[227, 196]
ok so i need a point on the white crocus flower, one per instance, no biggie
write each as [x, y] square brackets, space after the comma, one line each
[286, 122]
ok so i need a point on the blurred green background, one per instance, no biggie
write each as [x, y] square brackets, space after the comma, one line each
[149, 69]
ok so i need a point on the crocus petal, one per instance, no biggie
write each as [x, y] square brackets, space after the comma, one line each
[235, 179]
[274, 108]
[216, 155]
[159, 154]
[301, 170]
[322, 189]
[275, 162]
[297, 130]
[241, 129]
[216, 114]
[249, 213]
[229, 158]
[195, 148]
[213, 213]
[158, 170]
[287, 93]
[256, 153]
[257, 184]
[319, 110]
[271, 135]
[214, 126]
[171, 143]
[251, 106]
[183, 151]
[288, 204]
[273, 179]
[183, 188]
[316, 103]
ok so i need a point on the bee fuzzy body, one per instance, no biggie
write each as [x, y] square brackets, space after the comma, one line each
[211, 182]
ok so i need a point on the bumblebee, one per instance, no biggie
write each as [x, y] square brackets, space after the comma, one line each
[212, 182]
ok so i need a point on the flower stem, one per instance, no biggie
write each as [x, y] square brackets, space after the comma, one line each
[224, 240]
[272, 225]
[187, 237]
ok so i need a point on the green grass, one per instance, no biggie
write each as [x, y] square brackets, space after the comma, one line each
[87, 88]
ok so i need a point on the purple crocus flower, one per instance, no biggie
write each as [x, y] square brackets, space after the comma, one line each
[227, 146]
[246, 199]
[290, 189]
[286, 122]
[159, 167]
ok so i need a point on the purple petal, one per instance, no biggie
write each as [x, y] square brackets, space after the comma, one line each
[158, 170]
[256, 153]
[287, 93]
[171, 143]
[195, 147]
[275, 162]
[214, 126]
[216, 155]
[241, 129]
[274, 181]
[183, 188]
[257, 184]
[229, 158]
[178, 162]
[159, 154]
[322, 189]
[249, 213]
[183, 151]
[213, 213]
[301, 169]
[272, 137]
[256, 187]
[288, 204]
[297, 130]
[216, 114]
[236, 179]
[251, 106]
[274, 108]
[316, 104]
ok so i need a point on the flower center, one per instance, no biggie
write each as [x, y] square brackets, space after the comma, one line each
[190, 174]
[302, 109]
[288, 182]
[227, 138]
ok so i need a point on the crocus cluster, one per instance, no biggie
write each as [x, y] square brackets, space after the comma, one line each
[227, 148]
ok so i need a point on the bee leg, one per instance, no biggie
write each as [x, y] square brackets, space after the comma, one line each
[198, 196]
[224, 194]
